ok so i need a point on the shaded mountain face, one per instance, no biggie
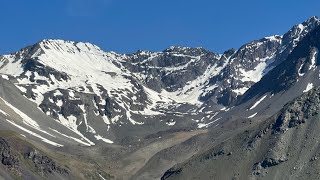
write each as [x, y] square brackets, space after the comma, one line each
[284, 145]
[304, 58]
[143, 106]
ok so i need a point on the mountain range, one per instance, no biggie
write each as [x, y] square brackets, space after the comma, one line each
[69, 110]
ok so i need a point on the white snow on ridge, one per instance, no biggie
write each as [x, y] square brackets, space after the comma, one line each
[308, 88]
[78, 58]
[35, 134]
[274, 38]
[258, 102]
[74, 59]
[101, 71]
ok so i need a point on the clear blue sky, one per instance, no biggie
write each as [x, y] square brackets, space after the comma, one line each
[128, 25]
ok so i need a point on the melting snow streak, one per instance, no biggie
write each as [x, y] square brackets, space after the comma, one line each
[258, 102]
[35, 134]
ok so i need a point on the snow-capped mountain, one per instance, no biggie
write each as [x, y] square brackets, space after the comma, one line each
[94, 93]
[67, 93]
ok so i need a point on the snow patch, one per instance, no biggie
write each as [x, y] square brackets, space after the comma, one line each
[206, 125]
[106, 119]
[308, 88]
[171, 123]
[254, 75]
[299, 70]
[313, 59]
[273, 38]
[191, 92]
[57, 93]
[258, 102]
[70, 123]
[59, 103]
[253, 115]
[6, 77]
[115, 119]
[98, 137]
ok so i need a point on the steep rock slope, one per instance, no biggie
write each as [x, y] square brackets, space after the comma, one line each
[282, 147]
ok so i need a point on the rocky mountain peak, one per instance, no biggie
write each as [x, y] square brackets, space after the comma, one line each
[297, 32]
[68, 46]
[314, 20]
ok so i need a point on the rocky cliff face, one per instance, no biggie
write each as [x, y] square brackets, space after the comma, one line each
[23, 161]
[7, 158]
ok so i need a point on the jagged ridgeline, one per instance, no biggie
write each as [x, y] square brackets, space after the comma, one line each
[137, 115]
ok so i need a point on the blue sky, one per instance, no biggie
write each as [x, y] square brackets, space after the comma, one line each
[126, 26]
